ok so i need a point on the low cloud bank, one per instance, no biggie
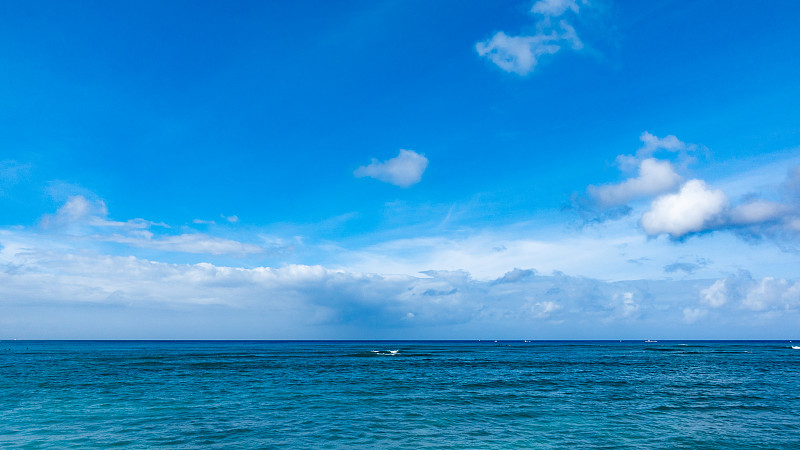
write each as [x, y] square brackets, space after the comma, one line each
[297, 301]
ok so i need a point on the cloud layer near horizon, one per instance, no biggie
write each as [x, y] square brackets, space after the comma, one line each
[432, 286]
[438, 303]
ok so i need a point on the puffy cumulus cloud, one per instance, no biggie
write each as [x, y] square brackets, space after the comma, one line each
[717, 294]
[695, 208]
[698, 208]
[88, 219]
[521, 54]
[742, 291]
[655, 177]
[404, 170]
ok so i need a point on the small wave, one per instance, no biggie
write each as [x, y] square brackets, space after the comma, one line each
[796, 347]
[386, 352]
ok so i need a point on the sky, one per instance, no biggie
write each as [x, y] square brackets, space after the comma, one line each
[550, 169]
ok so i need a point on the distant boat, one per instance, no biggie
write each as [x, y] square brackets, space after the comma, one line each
[650, 340]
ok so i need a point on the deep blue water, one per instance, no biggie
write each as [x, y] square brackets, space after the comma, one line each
[426, 394]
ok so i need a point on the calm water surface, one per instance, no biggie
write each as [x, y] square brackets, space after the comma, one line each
[403, 394]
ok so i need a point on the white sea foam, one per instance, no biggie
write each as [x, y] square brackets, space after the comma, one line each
[385, 352]
[796, 347]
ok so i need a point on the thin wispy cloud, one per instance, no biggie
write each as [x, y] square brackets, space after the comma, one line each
[11, 172]
[521, 54]
[89, 220]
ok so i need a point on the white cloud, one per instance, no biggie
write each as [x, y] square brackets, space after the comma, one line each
[404, 170]
[80, 215]
[693, 209]
[757, 211]
[544, 309]
[697, 208]
[555, 7]
[716, 295]
[517, 54]
[744, 292]
[66, 276]
[297, 298]
[569, 35]
[186, 243]
[604, 252]
[77, 209]
[655, 177]
[88, 219]
[521, 54]
[653, 143]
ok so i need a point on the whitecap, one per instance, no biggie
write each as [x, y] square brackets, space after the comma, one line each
[385, 352]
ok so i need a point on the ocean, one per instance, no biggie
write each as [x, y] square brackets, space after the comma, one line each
[399, 394]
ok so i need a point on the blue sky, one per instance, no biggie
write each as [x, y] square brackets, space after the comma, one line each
[402, 169]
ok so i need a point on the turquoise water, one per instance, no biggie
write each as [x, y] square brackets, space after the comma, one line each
[399, 394]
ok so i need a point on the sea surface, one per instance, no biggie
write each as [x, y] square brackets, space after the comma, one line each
[399, 394]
